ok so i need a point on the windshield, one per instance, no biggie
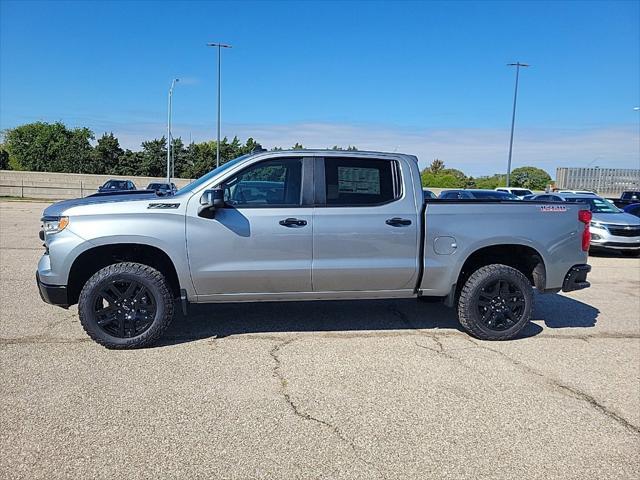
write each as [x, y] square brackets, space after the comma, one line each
[596, 204]
[115, 184]
[208, 176]
[521, 193]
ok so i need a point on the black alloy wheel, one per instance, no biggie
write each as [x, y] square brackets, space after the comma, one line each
[495, 302]
[501, 305]
[126, 305]
[124, 308]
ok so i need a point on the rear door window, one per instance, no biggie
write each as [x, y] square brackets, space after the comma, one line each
[361, 182]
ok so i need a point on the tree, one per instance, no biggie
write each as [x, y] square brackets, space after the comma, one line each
[178, 154]
[4, 158]
[297, 146]
[441, 180]
[437, 176]
[491, 182]
[49, 147]
[105, 155]
[128, 164]
[350, 148]
[249, 146]
[530, 177]
[436, 166]
[154, 158]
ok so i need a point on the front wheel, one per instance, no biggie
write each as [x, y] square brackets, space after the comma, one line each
[495, 303]
[125, 305]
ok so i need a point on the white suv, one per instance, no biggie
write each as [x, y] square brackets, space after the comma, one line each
[518, 192]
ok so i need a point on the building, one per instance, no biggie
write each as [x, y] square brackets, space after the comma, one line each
[604, 181]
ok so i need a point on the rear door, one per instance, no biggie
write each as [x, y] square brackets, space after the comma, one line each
[365, 225]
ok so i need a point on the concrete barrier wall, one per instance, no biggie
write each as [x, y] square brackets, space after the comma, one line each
[59, 186]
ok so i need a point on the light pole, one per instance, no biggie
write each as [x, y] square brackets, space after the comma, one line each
[218, 46]
[173, 83]
[513, 116]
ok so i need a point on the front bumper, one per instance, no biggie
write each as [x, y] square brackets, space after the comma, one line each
[576, 278]
[603, 237]
[53, 294]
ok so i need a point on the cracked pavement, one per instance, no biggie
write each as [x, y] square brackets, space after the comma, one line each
[353, 390]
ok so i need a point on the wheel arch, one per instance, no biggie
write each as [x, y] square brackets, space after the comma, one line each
[98, 257]
[523, 258]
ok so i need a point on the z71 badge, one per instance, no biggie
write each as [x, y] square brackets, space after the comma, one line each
[553, 208]
[163, 206]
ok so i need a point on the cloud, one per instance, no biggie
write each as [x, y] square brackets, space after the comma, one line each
[476, 151]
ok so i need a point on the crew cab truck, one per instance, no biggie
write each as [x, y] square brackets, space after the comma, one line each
[305, 225]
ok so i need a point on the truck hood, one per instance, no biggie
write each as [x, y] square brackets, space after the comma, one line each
[58, 208]
[616, 218]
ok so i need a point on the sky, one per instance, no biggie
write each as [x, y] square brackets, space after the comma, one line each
[425, 78]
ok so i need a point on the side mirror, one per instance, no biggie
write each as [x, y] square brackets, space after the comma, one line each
[210, 201]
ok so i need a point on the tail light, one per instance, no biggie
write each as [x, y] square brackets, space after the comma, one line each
[585, 217]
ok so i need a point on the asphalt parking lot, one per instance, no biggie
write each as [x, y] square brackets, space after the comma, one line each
[375, 389]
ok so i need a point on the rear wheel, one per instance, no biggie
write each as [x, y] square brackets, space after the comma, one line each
[125, 305]
[495, 303]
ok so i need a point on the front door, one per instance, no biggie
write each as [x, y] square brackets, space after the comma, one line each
[261, 241]
[365, 230]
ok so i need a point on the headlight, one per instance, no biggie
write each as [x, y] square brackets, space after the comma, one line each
[52, 225]
[596, 224]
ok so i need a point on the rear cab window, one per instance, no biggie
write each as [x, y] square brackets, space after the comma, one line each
[354, 182]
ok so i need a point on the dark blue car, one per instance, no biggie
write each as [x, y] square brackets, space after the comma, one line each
[633, 209]
[116, 186]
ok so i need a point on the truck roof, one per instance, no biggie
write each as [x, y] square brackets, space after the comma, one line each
[334, 153]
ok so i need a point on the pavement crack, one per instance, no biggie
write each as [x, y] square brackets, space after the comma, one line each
[439, 347]
[295, 408]
[566, 389]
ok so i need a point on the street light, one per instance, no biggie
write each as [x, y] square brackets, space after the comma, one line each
[173, 83]
[513, 116]
[218, 46]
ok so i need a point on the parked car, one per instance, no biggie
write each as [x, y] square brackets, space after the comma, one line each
[464, 194]
[163, 188]
[544, 197]
[116, 186]
[429, 193]
[518, 192]
[576, 192]
[627, 198]
[633, 209]
[354, 222]
[611, 228]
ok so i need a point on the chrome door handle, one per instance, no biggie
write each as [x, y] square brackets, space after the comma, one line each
[293, 222]
[398, 222]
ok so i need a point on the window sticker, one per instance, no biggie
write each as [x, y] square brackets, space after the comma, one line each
[359, 180]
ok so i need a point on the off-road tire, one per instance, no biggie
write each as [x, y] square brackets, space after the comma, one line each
[469, 301]
[155, 285]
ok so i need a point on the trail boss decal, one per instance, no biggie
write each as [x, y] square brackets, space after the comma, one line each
[553, 208]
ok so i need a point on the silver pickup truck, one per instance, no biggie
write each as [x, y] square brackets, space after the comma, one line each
[305, 225]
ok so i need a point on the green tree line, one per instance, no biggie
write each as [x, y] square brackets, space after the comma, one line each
[437, 175]
[54, 147]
